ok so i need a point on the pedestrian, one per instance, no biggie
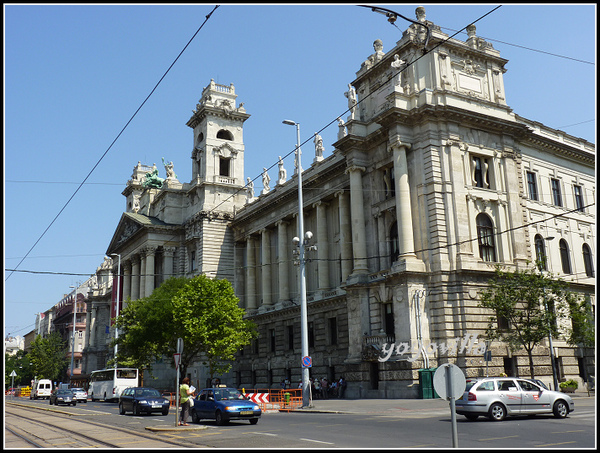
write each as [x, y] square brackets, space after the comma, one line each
[317, 388]
[342, 387]
[185, 393]
[324, 388]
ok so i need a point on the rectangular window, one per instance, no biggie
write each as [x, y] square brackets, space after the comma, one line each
[290, 335]
[311, 334]
[193, 260]
[556, 193]
[532, 186]
[578, 191]
[272, 338]
[333, 338]
[224, 166]
[480, 173]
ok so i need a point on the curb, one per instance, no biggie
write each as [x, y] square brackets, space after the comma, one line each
[175, 428]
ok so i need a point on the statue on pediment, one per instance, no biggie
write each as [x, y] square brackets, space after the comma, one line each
[152, 180]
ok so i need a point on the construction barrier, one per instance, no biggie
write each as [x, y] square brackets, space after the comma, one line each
[275, 399]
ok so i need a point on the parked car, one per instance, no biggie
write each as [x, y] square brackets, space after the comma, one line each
[142, 399]
[62, 396]
[499, 397]
[80, 394]
[222, 405]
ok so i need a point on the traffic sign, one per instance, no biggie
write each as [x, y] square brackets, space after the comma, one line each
[457, 381]
[307, 361]
[177, 358]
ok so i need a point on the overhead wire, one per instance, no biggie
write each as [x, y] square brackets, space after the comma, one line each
[113, 142]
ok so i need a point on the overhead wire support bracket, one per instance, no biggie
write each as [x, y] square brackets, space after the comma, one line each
[393, 15]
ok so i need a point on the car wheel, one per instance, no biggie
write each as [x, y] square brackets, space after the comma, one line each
[253, 421]
[165, 412]
[121, 409]
[50, 402]
[471, 417]
[136, 409]
[560, 409]
[219, 418]
[195, 418]
[497, 412]
[74, 404]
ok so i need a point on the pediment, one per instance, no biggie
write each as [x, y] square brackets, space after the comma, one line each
[130, 225]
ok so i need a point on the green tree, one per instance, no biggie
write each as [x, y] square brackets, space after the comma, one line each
[20, 363]
[530, 303]
[203, 312]
[48, 356]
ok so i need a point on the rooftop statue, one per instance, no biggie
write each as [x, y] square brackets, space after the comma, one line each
[152, 180]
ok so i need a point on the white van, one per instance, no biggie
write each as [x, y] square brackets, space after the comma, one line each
[42, 388]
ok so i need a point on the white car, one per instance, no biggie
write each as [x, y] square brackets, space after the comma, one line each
[80, 394]
[498, 397]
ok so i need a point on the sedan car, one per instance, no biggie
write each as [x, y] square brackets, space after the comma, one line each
[143, 399]
[62, 396]
[80, 394]
[222, 405]
[501, 396]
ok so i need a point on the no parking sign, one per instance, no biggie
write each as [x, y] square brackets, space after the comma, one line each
[307, 361]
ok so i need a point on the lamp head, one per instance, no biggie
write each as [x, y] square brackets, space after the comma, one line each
[289, 122]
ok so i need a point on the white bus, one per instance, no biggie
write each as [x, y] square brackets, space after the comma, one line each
[108, 384]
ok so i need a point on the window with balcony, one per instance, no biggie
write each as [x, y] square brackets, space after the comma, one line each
[485, 238]
[480, 172]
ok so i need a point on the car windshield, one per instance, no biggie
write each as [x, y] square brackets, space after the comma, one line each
[228, 395]
[64, 392]
[152, 393]
[78, 390]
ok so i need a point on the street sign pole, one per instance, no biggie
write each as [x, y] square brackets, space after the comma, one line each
[177, 361]
[450, 383]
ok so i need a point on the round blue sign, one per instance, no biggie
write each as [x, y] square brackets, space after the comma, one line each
[307, 361]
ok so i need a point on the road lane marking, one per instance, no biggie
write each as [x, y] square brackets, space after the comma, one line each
[318, 441]
[557, 443]
[496, 438]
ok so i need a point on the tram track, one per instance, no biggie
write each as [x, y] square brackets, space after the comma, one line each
[43, 428]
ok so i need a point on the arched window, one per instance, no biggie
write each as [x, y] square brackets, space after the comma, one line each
[485, 238]
[394, 244]
[540, 252]
[587, 260]
[224, 134]
[564, 256]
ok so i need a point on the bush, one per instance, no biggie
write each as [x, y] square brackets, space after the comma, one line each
[570, 383]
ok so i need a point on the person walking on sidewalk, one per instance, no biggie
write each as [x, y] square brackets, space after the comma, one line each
[342, 384]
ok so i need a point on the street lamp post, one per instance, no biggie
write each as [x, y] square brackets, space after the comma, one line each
[302, 273]
[552, 359]
[74, 321]
[118, 303]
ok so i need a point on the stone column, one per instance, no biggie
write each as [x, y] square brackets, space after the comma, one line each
[345, 235]
[168, 254]
[142, 274]
[383, 249]
[403, 206]
[266, 267]
[135, 277]
[359, 239]
[250, 274]
[322, 246]
[149, 283]
[126, 280]
[284, 245]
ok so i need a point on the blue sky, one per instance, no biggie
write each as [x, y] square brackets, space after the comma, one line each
[75, 75]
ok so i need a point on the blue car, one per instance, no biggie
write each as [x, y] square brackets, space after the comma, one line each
[222, 405]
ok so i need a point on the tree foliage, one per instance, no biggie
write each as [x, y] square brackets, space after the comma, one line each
[20, 364]
[202, 311]
[48, 356]
[533, 304]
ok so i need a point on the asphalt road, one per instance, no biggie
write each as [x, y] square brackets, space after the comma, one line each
[429, 428]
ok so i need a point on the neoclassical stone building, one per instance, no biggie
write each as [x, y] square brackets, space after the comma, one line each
[433, 180]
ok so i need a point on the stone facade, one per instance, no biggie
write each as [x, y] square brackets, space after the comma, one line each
[433, 180]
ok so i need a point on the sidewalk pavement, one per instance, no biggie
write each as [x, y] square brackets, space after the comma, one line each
[390, 407]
